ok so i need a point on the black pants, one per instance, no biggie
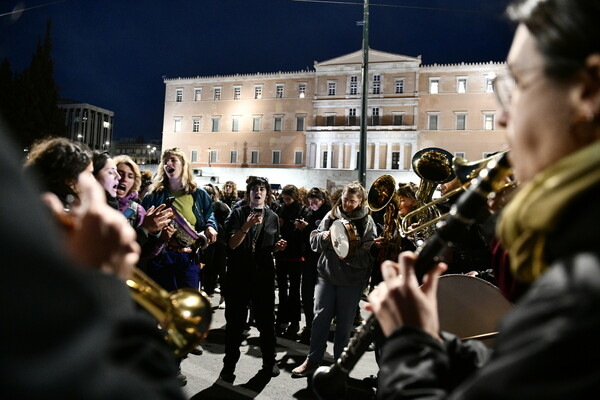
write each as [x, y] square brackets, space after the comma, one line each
[309, 281]
[242, 287]
[289, 274]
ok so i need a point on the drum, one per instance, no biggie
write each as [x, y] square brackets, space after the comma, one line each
[344, 238]
[469, 306]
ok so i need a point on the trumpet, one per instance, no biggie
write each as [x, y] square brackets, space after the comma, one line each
[465, 171]
[183, 314]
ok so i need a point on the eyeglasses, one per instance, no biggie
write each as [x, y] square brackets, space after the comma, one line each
[504, 85]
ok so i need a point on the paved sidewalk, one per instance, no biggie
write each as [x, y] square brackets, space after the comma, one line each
[203, 371]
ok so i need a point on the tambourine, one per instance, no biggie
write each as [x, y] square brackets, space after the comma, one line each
[344, 238]
[470, 307]
[185, 235]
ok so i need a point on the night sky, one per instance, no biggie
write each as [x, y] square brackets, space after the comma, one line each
[114, 53]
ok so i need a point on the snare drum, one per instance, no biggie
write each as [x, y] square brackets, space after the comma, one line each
[344, 238]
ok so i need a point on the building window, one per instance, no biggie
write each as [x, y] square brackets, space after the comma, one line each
[375, 116]
[215, 124]
[331, 88]
[461, 84]
[376, 84]
[194, 156]
[433, 122]
[177, 127]
[279, 91]
[398, 119]
[354, 85]
[233, 156]
[399, 87]
[301, 90]
[488, 122]
[276, 157]
[300, 123]
[212, 156]
[330, 120]
[395, 160]
[460, 154]
[179, 95]
[324, 160]
[217, 93]
[461, 122]
[277, 123]
[298, 157]
[237, 92]
[489, 83]
[256, 124]
[235, 124]
[197, 94]
[196, 125]
[434, 85]
[254, 157]
[258, 92]
[352, 117]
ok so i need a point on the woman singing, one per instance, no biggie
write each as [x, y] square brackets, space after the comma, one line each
[549, 102]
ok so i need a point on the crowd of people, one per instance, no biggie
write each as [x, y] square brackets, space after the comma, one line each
[100, 219]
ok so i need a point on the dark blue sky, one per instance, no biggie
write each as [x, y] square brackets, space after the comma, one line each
[113, 53]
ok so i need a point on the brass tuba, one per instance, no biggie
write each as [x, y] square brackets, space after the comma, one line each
[183, 314]
[434, 166]
[382, 194]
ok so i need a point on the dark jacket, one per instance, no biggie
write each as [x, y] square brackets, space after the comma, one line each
[294, 237]
[542, 345]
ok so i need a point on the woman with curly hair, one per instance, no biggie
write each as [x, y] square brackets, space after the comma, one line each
[57, 164]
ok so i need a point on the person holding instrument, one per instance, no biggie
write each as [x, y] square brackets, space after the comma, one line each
[253, 232]
[549, 229]
[179, 266]
[341, 280]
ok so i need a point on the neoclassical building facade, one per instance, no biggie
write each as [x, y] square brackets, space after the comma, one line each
[311, 119]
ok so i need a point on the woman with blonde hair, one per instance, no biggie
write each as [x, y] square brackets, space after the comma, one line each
[229, 194]
[178, 265]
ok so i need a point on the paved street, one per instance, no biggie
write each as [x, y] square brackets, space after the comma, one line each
[203, 371]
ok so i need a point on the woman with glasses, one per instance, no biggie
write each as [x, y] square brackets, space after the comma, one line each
[341, 280]
[549, 228]
[253, 232]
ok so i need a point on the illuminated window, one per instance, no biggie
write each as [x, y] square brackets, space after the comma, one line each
[488, 122]
[461, 85]
[301, 90]
[197, 94]
[434, 85]
[258, 92]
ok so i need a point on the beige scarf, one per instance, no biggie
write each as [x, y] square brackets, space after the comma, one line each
[535, 210]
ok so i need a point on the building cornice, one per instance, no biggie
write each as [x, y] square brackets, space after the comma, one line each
[303, 74]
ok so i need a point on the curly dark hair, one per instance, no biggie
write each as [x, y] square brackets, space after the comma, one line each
[57, 163]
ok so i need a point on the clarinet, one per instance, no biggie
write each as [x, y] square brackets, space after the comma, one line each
[330, 382]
